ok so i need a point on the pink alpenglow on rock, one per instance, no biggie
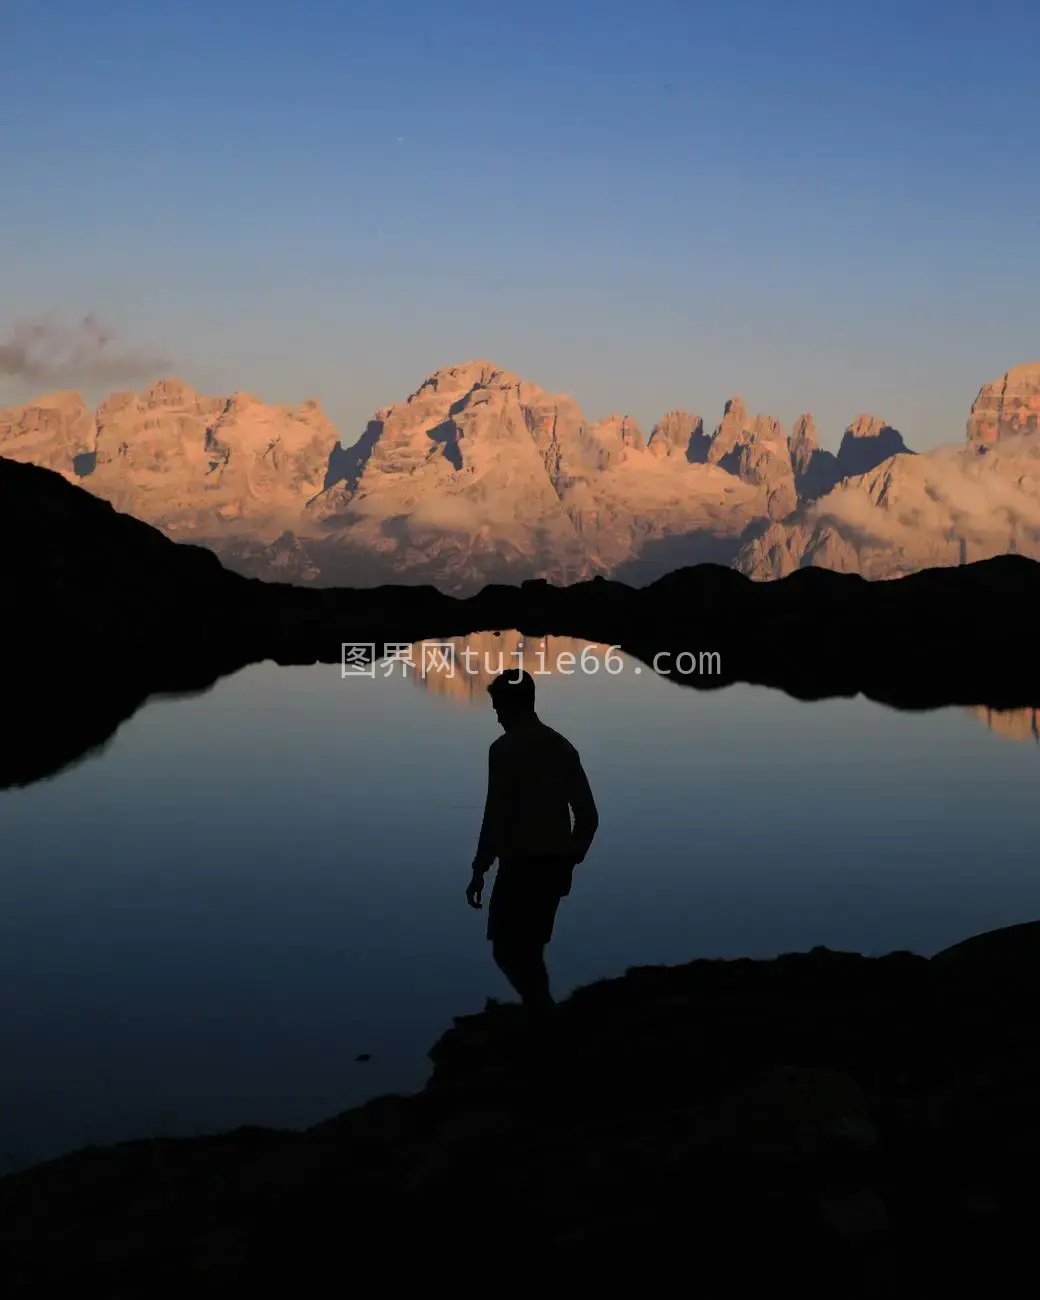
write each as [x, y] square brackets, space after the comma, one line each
[480, 476]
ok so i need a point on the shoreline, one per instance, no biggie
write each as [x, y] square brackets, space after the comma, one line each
[832, 1111]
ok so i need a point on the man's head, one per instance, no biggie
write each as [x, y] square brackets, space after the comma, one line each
[512, 694]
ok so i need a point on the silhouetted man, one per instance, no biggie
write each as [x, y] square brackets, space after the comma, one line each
[535, 782]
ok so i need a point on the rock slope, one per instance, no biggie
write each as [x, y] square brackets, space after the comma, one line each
[823, 1124]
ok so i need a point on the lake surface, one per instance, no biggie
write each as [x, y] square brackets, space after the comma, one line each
[206, 923]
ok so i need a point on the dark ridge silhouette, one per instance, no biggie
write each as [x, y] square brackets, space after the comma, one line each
[52, 725]
[678, 550]
[107, 604]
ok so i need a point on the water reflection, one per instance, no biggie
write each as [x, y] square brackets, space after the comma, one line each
[246, 890]
[459, 669]
[51, 726]
[1022, 725]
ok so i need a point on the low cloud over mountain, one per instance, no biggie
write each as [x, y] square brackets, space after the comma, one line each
[949, 506]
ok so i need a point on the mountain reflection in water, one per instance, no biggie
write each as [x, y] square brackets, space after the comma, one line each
[460, 668]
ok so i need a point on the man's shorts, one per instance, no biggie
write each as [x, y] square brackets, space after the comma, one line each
[524, 899]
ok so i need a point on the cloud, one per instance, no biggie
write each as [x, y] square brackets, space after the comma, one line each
[47, 352]
[1002, 486]
[945, 494]
[854, 510]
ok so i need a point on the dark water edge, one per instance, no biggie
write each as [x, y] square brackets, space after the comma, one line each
[207, 924]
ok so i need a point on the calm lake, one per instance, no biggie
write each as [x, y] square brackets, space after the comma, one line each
[205, 924]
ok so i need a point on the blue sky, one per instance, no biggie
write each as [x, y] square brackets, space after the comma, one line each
[819, 206]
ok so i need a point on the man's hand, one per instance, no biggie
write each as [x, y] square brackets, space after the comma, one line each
[475, 889]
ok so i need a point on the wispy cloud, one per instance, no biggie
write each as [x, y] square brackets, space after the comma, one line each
[44, 351]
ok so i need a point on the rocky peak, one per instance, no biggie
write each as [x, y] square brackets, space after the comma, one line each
[609, 442]
[158, 431]
[764, 460]
[556, 424]
[311, 411]
[866, 443]
[426, 424]
[1006, 406]
[64, 399]
[469, 471]
[475, 419]
[241, 401]
[185, 460]
[53, 431]
[310, 419]
[169, 392]
[114, 403]
[631, 434]
[453, 380]
[803, 443]
[756, 451]
[866, 425]
[255, 421]
[731, 429]
[678, 435]
[815, 471]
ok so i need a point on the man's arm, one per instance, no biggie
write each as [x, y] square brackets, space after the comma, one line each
[586, 815]
[490, 830]
[491, 826]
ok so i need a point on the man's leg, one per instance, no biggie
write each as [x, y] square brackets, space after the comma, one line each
[523, 965]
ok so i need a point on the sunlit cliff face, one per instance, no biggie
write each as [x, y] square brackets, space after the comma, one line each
[461, 668]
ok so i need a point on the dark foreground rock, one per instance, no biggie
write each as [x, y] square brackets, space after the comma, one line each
[821, 1124]
[100, 611]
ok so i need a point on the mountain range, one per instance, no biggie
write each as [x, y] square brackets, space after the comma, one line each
[481, 477]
